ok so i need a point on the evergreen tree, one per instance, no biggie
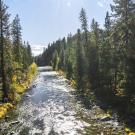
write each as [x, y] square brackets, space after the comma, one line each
[69, 70]
[102, 60]
[62, 59]
[29, 52]
[95, 33]
[16, 38]
[4, 32]
[84, 24]
[11, 52]
[106, 74]
[107, 24]
[93, 69]
[124, 11]
[79, 62]
[55, 60]
[130, 61]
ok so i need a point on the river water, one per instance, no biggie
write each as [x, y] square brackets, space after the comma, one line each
[49, 108]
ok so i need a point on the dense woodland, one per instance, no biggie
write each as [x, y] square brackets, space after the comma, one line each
[100, 60]
[15, 56]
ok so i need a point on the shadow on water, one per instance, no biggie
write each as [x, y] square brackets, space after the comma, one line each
[50, 108]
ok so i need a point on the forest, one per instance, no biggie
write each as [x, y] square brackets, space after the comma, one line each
[82, 84]
[100, 61]
[16, 68]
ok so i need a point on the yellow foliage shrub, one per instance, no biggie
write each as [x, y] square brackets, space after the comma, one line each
[32, 71]
[8, 106]
[20, 88]
[127, 130]
[17, 88]
[132, 133]
[62, 73]
[14, 78]
[4, 109]
[73, 83]
[2, 114]
[17, 97]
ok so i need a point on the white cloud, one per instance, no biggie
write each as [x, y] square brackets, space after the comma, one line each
[100, 4]
[37, 49]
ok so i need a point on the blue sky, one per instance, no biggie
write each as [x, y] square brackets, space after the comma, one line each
[44, 21]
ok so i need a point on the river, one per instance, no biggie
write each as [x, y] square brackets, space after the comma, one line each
[50, 108]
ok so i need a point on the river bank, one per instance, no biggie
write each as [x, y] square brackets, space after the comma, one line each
[52, 107]
[109, 112]
[17, 89]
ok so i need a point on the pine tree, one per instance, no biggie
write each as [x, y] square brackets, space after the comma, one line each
[124, 11]
[62, 59]
[55, 60]
[4, 32]
[29, 52]
[84, 24]
[106, 63]
[130, 61]
[79, 62]
[69, 69]
[95, 32]
[93, 69]
[16, 38]
[107, 24]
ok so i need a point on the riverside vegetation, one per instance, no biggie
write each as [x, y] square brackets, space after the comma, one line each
[101, 61]
[16, 62]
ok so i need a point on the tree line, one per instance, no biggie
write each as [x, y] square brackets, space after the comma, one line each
[100, 60]
[15, 55]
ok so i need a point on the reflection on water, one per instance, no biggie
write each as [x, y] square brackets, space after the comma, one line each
[48, 109]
